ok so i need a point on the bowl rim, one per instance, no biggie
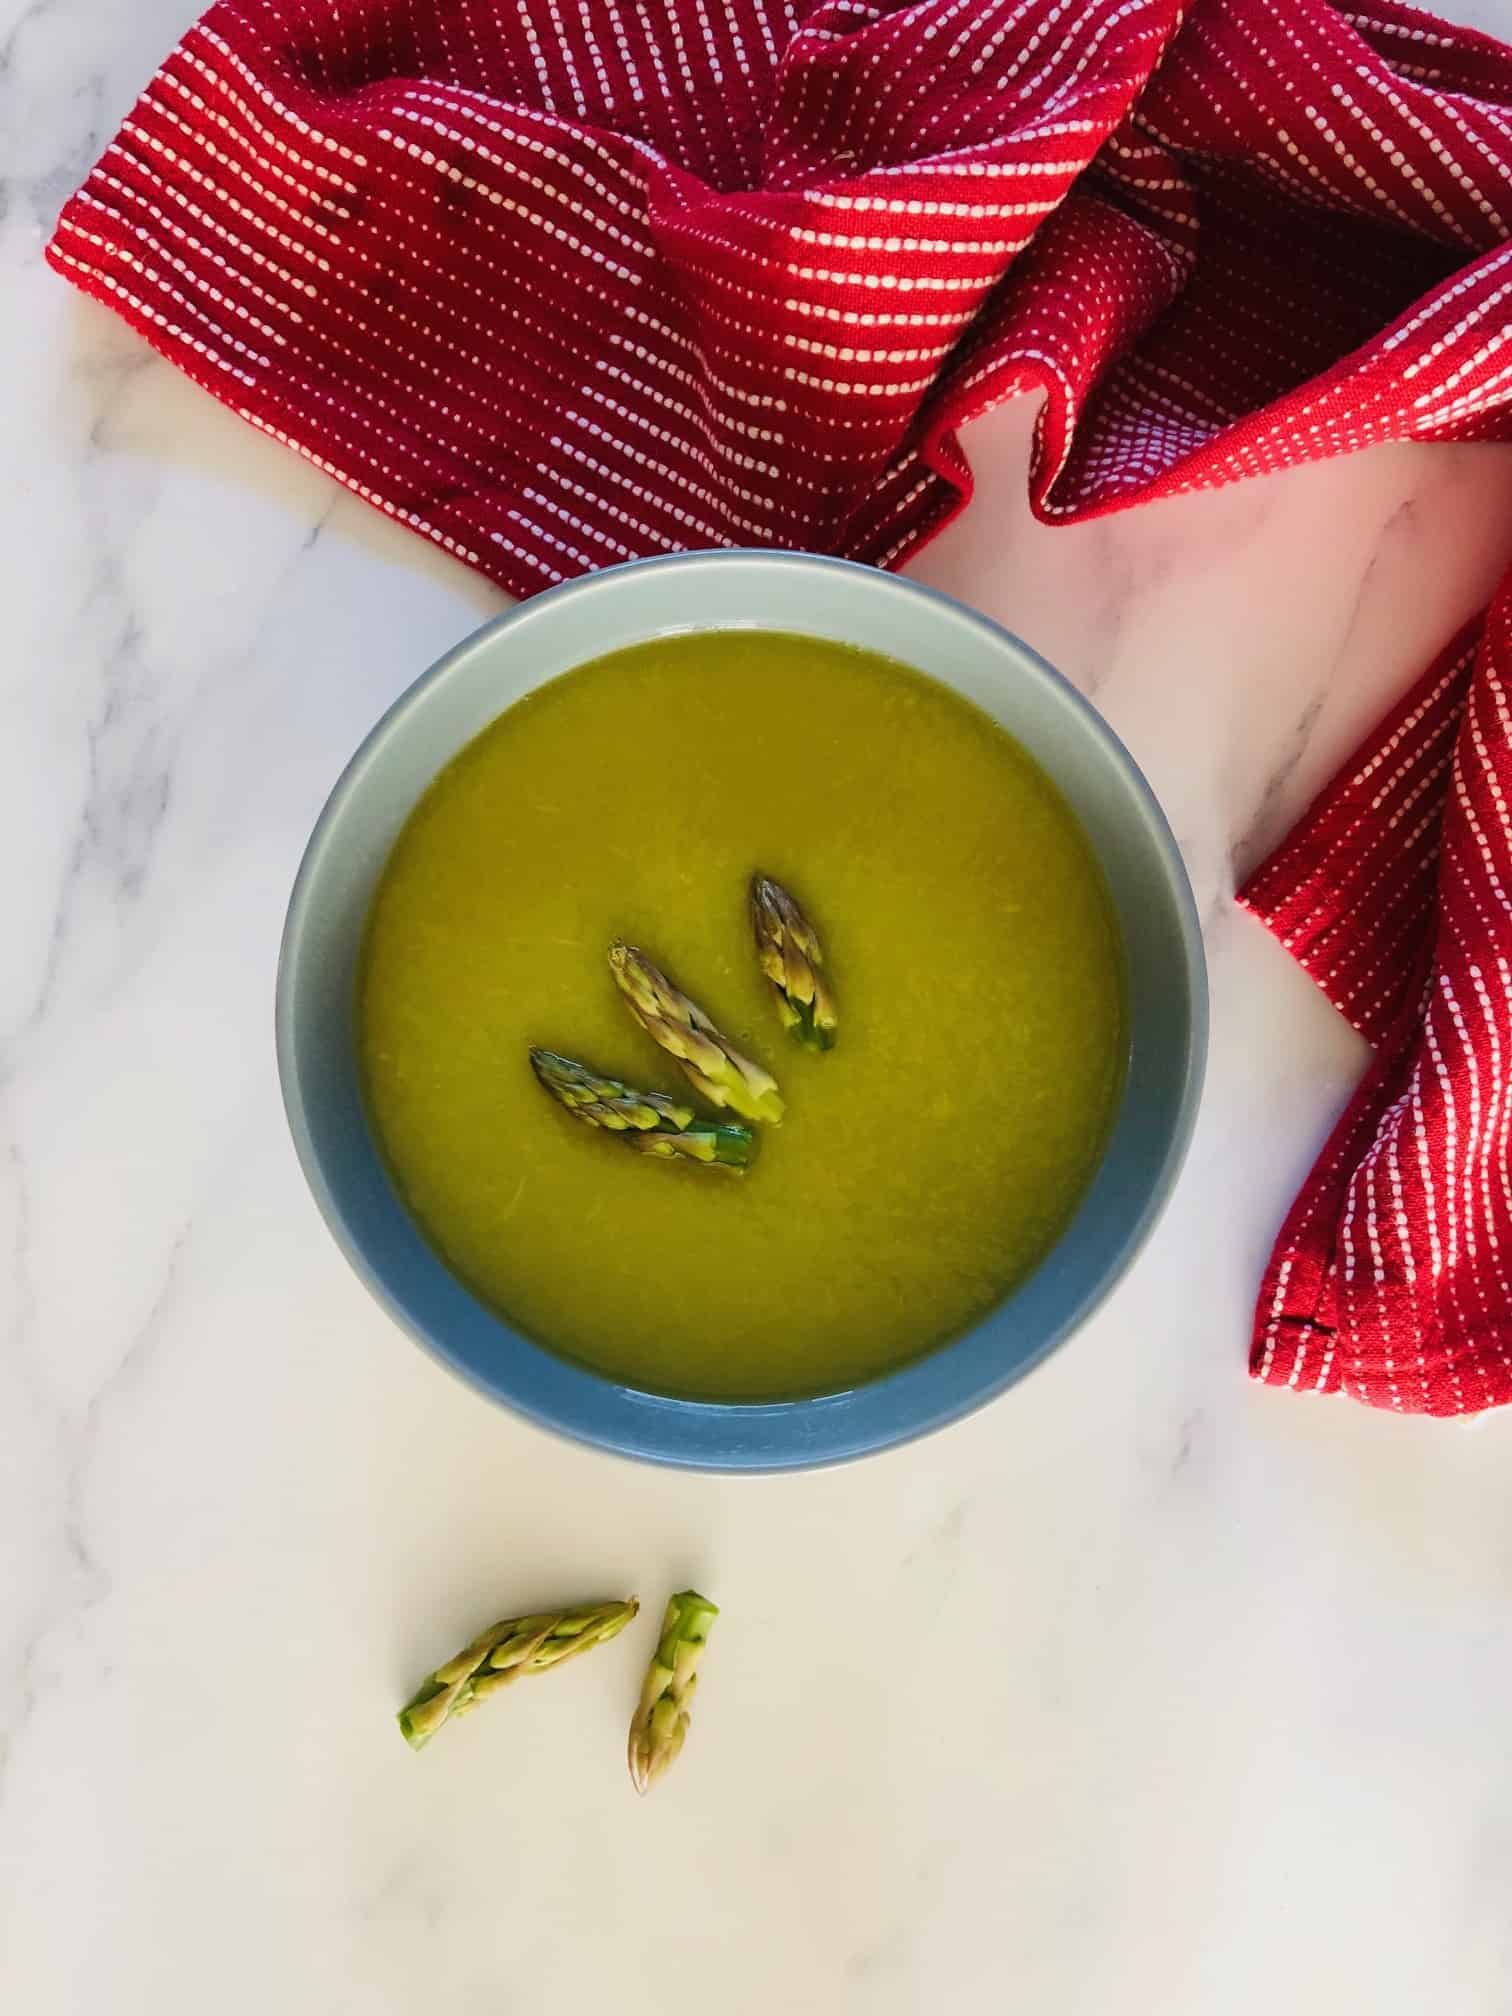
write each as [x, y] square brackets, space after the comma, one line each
[589, 1408]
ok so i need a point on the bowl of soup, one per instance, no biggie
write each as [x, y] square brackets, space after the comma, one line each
[948, 1183]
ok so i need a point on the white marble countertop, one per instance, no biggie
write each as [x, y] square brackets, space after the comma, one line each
[1145, 1690]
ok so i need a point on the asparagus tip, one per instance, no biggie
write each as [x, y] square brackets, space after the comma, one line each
[723, 1074]
[790, 955]
[660, 1724]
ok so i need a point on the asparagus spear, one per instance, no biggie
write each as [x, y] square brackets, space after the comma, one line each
[788, 948]
[499, 1655]
[683, 1030]
[649, 1121]
[661, 1720]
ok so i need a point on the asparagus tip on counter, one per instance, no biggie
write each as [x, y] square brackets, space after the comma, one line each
[503, 1654]
[660, 1724]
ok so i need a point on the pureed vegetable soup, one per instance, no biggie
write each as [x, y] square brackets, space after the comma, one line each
[926, 1162]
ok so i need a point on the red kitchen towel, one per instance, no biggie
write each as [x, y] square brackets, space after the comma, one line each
[1392, 1279]
[559, 282]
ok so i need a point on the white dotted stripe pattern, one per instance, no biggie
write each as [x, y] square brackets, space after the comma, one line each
[1392, 1279]
[407, 240]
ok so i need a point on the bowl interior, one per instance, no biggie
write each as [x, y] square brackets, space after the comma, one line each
[583, 620]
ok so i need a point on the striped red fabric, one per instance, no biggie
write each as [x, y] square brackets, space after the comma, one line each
[560, 282]
[1392, 1279]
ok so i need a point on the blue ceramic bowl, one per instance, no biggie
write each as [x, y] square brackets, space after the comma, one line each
[756, 590]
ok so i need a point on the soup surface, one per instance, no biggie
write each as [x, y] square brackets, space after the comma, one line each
[926, 1163]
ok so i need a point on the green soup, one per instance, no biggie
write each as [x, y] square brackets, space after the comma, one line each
[925, 1164]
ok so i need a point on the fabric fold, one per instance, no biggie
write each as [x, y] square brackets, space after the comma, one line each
[1392, 1277]
[557, 288]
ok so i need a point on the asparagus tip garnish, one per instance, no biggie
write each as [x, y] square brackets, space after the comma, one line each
[648, 1121]
[788, 948]
[660, 1724]
[721, 1072]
